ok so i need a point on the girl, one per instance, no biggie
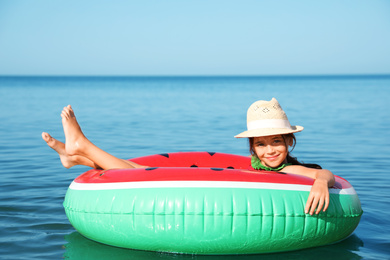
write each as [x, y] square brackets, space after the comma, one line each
[270, 135]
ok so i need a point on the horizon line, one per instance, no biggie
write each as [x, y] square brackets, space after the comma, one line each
[196, 76]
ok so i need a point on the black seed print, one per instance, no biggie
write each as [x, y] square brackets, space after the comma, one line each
[151, 168]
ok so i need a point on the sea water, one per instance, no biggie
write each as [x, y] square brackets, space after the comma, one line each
[346, 120]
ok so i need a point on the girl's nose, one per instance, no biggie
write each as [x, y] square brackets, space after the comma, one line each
[270, 149]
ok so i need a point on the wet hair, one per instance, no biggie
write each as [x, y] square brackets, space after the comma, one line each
[290, 159]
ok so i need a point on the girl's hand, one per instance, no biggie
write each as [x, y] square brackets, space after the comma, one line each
[319, 193]
[318, 197]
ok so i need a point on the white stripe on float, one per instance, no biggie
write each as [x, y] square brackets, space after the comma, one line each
[199, 184]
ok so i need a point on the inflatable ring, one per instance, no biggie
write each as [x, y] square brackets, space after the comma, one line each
[206, 203]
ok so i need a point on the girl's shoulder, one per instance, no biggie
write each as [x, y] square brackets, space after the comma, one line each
[301, 169]
[297, 168]
[294, 161]
[311, 165]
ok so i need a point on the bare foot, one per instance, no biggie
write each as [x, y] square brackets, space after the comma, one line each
[66, 160]
[75, 139]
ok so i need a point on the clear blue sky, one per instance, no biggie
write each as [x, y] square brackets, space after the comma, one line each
[199, 37]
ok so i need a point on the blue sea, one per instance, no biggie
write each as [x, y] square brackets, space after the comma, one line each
[347, 130]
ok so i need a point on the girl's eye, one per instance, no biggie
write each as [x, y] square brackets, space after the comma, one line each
[260, 144]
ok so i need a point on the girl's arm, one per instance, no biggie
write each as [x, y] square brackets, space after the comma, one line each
[319, 193]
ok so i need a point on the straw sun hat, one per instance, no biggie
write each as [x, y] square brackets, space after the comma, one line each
[266, 118]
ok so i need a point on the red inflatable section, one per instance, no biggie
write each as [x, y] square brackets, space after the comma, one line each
[196, 159]
[196, 166]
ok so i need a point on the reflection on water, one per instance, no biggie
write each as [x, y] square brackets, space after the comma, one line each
[81, 248]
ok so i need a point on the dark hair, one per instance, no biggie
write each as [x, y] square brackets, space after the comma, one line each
[290, 159]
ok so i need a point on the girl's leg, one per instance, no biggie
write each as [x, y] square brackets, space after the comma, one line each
[78, 145]
[69, 161]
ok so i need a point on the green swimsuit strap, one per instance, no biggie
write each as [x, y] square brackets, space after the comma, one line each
[257, 165]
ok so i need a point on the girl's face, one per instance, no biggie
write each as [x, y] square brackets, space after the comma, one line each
[271, 150]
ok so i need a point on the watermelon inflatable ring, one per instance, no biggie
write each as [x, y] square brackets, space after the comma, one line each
[206, 203]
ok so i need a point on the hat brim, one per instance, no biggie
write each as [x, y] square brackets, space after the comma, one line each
[269, 131]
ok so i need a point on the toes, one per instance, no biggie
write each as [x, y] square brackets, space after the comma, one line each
[71, 112]
[67, 112]
[63, 114]
[46, 136]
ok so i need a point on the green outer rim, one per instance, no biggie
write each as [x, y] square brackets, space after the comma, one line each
[209, 221]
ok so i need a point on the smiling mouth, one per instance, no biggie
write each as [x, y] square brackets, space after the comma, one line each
[273, 158]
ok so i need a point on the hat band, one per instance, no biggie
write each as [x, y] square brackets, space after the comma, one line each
[269, 123]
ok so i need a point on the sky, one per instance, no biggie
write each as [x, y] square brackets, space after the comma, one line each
[194, 37]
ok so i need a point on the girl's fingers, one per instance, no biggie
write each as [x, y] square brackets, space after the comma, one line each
[308, 204]
[320, 205]
[326, 203]
[318, 200]
[313, 206]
